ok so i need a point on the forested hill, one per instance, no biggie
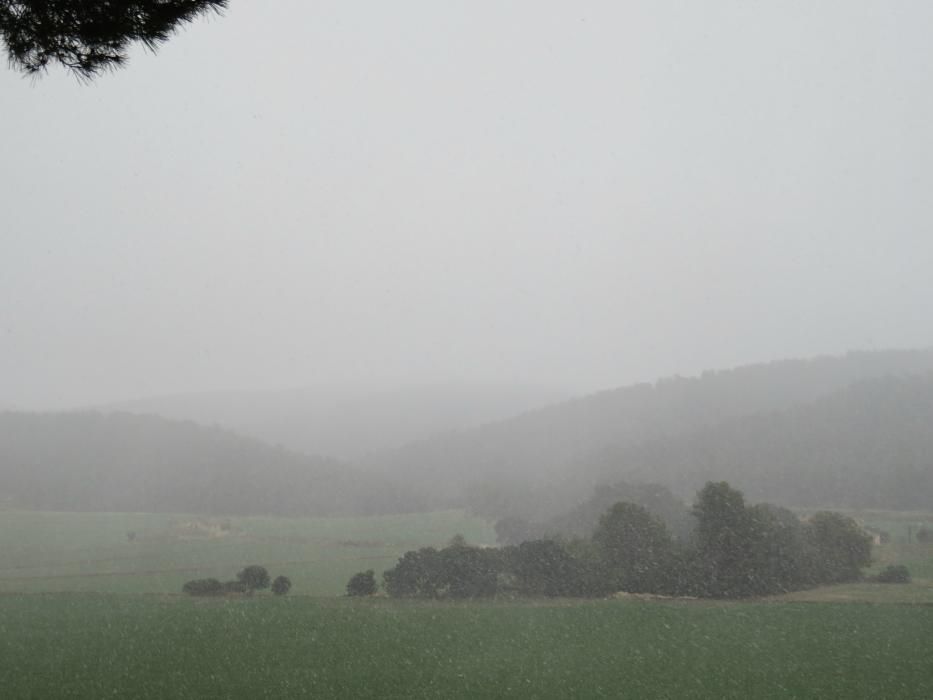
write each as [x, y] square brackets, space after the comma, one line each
[803, 432]
[535, 458]
[867, 446]
[121, 462]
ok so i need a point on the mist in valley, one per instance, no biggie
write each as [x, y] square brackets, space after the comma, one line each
[470, 301]
[405, 261]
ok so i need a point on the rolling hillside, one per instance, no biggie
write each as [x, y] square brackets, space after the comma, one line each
[122, 462]
[867, 446]
[847, 431]
[538, 464]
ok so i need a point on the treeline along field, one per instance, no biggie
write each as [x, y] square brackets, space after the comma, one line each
[172, 647]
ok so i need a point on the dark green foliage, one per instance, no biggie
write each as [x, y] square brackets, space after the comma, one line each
[549, 568]
[417, 574]
[726, 536]
[841, 548]
[203, 586]
[282, 585]
[541, 567]
[635, 547]
[362, 584]
[458, 571]
[895, 573]
[469, 572]
[737, 551]
[235, 587]
[924, 535]
[781, 555]
[254, 577]
[744, 551]
[87, 36]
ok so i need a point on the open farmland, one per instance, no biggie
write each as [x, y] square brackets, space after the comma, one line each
[94, 552]
[95, 646]
[89, 612]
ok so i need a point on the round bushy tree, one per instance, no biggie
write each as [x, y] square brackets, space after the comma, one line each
[281, 585]
[362, 584]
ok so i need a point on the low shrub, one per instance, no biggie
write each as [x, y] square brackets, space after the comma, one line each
[895, 573]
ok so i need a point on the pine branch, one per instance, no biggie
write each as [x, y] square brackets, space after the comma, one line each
[90, 36]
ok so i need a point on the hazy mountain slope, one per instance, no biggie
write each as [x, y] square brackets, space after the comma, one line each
[533, 458]
[346, 422]
[869, 445]
[122, 462]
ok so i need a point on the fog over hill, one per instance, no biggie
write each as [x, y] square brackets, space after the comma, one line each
[121, 462]
[348, 422]
[539, 463]
[850, 430]
[869, 445]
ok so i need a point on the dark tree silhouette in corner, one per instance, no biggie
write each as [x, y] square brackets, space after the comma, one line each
[88, 36]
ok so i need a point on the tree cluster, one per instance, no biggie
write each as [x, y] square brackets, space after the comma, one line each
[249, 580]
[736, 551]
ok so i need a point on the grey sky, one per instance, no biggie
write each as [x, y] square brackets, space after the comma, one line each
[574, 194]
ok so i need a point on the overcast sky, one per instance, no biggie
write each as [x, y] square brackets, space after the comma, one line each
[575, 194]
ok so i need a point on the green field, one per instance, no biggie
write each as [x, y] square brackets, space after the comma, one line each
[88, 612]
[95, 646]
[92, 552]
